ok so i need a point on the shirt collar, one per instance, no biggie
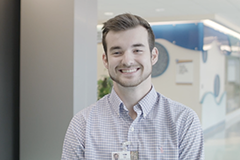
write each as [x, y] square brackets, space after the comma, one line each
[115, 101]
[146, 103]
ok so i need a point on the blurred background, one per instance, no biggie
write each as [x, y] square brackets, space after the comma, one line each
[50, 63]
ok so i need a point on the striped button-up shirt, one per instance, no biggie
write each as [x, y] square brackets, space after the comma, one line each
[163, 129]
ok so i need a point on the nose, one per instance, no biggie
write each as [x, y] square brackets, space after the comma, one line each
[127, 59]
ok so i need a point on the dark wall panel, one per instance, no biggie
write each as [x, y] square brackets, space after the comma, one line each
[9, 79]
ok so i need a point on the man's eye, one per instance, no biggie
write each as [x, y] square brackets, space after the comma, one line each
[116, 53]
[137, 51]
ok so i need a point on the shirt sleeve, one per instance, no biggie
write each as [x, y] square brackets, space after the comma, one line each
[73, 145]
[191, 138]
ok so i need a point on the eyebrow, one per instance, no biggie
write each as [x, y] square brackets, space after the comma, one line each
[138, 45]
[134, 45]
[115, 48]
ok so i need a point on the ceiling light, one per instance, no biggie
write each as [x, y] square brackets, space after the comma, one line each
[221, 28]
[206, 22]
[171, 22]
[108, 13]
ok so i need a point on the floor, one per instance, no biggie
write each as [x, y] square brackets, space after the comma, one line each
[224, 143]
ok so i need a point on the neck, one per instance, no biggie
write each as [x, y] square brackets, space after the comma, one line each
[130, 96]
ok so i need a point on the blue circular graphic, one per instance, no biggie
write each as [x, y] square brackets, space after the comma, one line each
[163, 60]
[204, 56]
[216, 86]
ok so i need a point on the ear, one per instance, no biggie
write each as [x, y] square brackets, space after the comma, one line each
[154, 55]
[105, 60]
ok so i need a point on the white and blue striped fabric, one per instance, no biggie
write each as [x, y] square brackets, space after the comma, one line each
[163, 130]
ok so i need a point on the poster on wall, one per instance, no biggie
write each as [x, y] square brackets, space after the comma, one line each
[184, 72]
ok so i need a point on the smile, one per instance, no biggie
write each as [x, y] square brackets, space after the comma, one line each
[128, 70]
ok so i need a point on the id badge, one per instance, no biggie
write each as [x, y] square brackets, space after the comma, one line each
[125, 155]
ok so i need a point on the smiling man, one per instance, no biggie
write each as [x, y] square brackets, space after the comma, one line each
[133, 119]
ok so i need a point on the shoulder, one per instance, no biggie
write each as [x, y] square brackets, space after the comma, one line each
[178, 112]
[180, 117]
[85, 114]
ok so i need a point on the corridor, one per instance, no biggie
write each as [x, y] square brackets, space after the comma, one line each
[224, 143]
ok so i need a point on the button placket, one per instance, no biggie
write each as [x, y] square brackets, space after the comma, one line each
[132, 132]
[132, 136]
[131, 129]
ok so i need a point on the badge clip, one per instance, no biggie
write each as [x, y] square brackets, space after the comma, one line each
[125, 145]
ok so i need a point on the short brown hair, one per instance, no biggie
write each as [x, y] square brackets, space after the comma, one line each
[123, 22]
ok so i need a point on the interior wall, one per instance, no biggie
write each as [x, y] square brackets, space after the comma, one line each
[213, 107]
[52, 74]
[187, 94]
[101, 70]
[9, 79]
[46, 97]
[85, 54]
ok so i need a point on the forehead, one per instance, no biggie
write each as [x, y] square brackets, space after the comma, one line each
[127, 37]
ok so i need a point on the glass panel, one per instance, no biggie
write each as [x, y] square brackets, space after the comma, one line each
[232, 83]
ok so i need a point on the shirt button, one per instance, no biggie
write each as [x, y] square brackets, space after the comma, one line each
[132, 129]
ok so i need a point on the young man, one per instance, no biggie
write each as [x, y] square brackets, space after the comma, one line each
[133, 117]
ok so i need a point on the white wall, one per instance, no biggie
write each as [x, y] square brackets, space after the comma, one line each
[101, 70]
[166, 83]
[213, 108]
[85, 53]
[55, 81]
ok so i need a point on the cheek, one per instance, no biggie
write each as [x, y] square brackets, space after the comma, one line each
[110, 66]
[147, 61]
[112, 62]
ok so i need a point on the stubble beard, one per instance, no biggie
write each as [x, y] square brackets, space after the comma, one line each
[130, 84]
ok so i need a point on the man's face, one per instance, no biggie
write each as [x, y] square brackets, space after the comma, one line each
[116, 156]
[129, 61]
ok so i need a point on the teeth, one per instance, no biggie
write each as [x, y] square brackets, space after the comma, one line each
[129, 70]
